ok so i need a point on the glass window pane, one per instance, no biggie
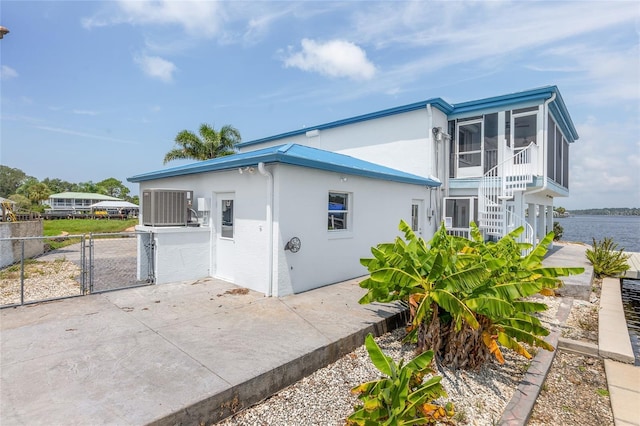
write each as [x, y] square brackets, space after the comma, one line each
[414, 217]
[458, 210]
[507, 127]
[338, 211]
[469, 137]
[525, 131]
[337, 221]
[551, 150]
[469, 160]
[558, 154]
[565, 164]
[226, 230]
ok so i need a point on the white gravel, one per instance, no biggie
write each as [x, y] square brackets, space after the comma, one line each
[324, 397]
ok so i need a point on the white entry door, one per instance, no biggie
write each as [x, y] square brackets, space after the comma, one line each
[225, 236]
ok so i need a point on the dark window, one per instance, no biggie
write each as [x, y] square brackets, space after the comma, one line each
[490, 141]
[558, 155]
[551, 150]
[565, 164]
[226, 230]
[338, 211]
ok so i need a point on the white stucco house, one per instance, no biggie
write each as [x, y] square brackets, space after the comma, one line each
[279, 220]
[341, 187]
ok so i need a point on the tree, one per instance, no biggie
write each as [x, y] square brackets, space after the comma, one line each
[57, 186]
[113, 187]
[210, 144]
[87, 187]
[22, 202]
[10, 180]
[38, 192]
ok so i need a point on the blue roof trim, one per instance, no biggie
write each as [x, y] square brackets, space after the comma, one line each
[558, 108]
[435, 102]
[297, 155]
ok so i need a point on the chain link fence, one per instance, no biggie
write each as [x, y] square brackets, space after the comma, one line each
[83, 264]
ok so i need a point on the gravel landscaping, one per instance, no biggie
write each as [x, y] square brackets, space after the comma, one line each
[573, 394]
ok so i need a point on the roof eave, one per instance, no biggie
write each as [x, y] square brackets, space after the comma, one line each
[435, 102]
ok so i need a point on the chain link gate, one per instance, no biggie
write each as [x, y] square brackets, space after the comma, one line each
[93, 263]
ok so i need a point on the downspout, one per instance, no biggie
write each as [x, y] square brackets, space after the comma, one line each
[264, 172]
[545, 132]
[436, 157]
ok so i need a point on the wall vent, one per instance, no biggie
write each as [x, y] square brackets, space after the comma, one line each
[166, 207]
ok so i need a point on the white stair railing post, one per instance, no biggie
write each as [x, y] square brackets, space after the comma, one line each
[500, 184]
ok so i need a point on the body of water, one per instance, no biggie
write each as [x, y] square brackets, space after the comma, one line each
[625, 231]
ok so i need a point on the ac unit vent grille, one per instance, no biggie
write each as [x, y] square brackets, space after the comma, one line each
[166, 207]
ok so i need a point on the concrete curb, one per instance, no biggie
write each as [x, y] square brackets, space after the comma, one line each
[520, 406]
[578, 347]
[613, 334]
[237, 398]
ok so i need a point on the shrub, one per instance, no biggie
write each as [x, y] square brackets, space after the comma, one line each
[558, 230]
[402, 397]
[607, 261]
[466, 297]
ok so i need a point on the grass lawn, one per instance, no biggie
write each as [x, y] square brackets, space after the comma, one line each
[85, 226]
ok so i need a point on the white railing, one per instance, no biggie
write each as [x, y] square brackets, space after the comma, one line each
[514, 221]
[499, 185]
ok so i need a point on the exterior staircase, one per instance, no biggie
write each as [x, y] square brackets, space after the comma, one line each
[498, 186]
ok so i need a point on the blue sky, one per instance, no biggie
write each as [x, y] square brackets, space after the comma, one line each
[98, 89]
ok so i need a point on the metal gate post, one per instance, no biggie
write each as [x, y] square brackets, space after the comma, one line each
[152, 258]
[22, 273]
[91, 262]
[83, 268]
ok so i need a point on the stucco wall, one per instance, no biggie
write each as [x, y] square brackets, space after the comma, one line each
[299, 209]
[327, 256]
[11, 251]
[250, 240]
[402, 141]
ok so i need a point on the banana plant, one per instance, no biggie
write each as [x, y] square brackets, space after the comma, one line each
[466, 297]
[402, 397]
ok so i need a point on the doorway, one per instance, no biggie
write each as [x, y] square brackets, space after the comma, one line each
[225, 236]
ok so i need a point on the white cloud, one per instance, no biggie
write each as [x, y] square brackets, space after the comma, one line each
[7, 73]
[335, 58]
[197, 18]
[156, 67]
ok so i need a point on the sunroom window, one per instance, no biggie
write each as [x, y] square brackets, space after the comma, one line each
[338, 213]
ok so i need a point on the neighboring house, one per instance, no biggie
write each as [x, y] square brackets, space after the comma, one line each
[76, 201]
[501, 161]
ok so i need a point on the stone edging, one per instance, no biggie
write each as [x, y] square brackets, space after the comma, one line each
[519, 408]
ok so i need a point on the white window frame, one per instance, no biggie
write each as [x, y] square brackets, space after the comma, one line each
[347, 212]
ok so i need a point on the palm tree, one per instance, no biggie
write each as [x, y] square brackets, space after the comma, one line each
[210, 144]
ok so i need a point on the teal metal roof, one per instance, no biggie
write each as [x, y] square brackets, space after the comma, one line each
[558, 109]
[293, 154]
[435, 102]
[83, 196]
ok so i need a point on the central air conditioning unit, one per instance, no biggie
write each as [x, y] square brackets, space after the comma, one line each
[166, 207]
